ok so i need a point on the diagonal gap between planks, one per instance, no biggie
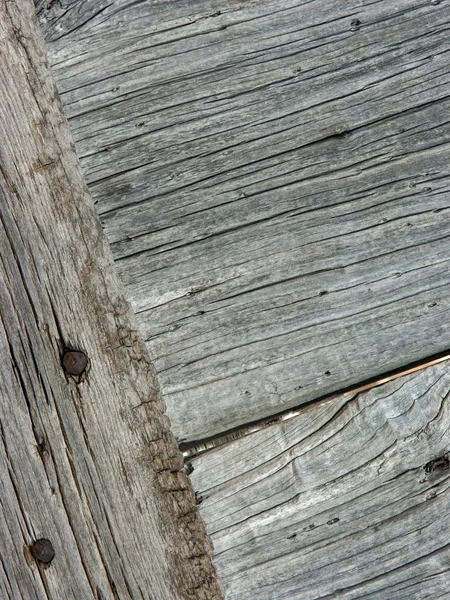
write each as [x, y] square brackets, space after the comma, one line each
[197, 447]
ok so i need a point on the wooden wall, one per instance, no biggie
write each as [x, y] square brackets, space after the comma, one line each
[273, 179]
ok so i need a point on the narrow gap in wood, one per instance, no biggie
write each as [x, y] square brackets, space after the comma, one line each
[194, 448]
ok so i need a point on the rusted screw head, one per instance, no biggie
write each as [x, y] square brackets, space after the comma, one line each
[43, 551]
[74, 362]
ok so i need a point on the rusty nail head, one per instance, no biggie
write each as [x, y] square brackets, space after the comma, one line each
[43, 551]
[74, 362]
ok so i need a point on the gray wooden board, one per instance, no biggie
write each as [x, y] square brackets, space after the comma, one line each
[87, 461]
[274, 184]
[338, 502]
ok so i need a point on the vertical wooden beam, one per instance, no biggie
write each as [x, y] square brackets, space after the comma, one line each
[87, 459]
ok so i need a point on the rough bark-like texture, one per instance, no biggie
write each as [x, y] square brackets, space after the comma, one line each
[86, 461]
[273, 177]
[349, 500]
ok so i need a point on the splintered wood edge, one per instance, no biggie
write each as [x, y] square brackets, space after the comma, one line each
[87, 460]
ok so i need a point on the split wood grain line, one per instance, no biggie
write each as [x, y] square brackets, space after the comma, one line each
[348, 500]
[273, 178]
[93, 504]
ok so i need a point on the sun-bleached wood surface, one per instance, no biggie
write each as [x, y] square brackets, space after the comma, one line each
[87, 461]
[348, 500]
[272, 177]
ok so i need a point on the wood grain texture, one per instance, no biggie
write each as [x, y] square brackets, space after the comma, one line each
[346, 500]
[273, 178]
[87, 462]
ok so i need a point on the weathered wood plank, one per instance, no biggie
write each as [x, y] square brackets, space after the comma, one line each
[273, 178]
[87, 460]
[343, 501]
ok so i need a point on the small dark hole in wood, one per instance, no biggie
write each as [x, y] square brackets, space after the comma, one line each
[355, 25]
[327, 373]
[333, 521]
[438, 464]
[323, 293]
[42, 446]
[292, 536]
[188, 468]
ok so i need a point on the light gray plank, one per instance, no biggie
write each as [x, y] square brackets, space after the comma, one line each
[274, 183]
[341, 501]
[87, 459]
